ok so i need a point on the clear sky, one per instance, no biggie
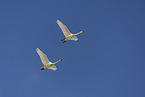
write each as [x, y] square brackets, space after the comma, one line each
[108, 60]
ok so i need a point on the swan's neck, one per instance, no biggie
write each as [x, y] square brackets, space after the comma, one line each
[57, 61]
[79, 33]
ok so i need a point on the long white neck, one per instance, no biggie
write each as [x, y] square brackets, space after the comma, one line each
[79, 33]
[57, 61]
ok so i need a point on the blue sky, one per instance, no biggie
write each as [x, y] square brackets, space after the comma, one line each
[108, 60]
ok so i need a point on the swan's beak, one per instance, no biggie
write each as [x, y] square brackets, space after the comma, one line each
[60, 60]
[42, 68]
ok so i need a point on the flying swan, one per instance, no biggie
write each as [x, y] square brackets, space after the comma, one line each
[66, 32]
[45, 61]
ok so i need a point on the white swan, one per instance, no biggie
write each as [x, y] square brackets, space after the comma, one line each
[45, 61]
[66, 32]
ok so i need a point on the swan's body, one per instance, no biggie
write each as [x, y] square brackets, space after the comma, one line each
[66, 32]
[45, 61]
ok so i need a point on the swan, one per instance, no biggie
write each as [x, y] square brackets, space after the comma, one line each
[45, 61]
[66, 32]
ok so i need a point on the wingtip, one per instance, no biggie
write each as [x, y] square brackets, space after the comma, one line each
[58, 21]
[37, 49]
[55, 69]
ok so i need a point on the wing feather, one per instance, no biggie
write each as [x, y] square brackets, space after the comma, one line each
[64, 29]
[53, 68]
[43, 57]
[74, 38]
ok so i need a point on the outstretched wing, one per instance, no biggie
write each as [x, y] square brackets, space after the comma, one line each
[43, 57]
[74, 38]
[53, 68]
[64, 29]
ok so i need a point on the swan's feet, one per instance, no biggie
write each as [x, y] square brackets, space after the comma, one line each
[63, 40]
[42, 68]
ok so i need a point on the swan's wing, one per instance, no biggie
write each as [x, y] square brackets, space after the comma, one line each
[43, 57]
[74, 38]
[64, 29]
[53, 68]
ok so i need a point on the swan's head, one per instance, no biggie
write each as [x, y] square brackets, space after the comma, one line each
[42, 68]
[81, 31]
[59, 60]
